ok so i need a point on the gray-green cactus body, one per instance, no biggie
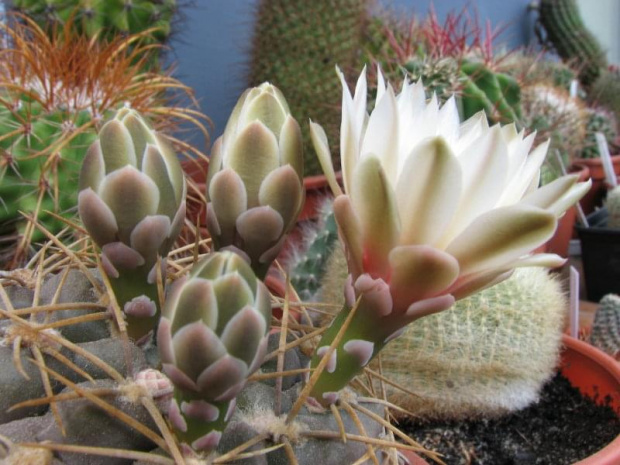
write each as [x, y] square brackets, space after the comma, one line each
[613, 208]
[255, 183]
[132, 203]
[212, 336]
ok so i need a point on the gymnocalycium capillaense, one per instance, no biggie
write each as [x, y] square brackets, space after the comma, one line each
[432, 210]
[132, 203]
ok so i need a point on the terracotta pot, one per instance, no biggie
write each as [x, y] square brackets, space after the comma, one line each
[317, 188]
[278, 288]
[558, 244]
[596, 195]
[597, 376]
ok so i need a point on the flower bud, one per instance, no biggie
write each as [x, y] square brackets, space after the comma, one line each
[255, 184]
[212, 336]
[132, 203]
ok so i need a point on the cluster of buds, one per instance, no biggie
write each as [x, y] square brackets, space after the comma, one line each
[432, 211]
[212, 336]
[255, 184]
[132, 203]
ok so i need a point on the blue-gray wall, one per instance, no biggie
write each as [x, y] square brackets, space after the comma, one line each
[212, 44]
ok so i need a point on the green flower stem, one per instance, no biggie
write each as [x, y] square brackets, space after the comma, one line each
[129, 285]
[197, 428]
[365, 326]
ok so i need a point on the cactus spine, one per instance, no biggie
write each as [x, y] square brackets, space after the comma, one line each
[489, 354]
[572, 40]
[296, 46]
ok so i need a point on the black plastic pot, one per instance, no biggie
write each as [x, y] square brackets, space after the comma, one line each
[600, 253]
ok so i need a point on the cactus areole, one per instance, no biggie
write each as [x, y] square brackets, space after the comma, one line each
[433, 210]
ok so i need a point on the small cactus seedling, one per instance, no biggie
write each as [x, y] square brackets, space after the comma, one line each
[605, 332]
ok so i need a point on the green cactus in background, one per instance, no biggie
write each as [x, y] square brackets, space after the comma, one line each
[487, 355]
[598, 120]
[104, 17]
[605, 332]
[555, 116]
[29, 183]
[440, 77]
[498, 94]
[307, 265]
[571, 39]
[296, 46]
[605, 91]
[613, 208]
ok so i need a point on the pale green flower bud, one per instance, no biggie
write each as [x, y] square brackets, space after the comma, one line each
[211, 337]
[132, 203]
[255, 184]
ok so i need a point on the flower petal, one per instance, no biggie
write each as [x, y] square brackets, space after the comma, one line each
[195, 301]
[373, 201]
[97, 217]
[93, 168]
[259, 228]
[500, 236]
[282, 191]
[228, 201]
[291, 146]
[218, 378]
[428, 192]
[559, 195]
[253, 154]
[131, 195]
[244, 333]
[196, 347]
[321, 146]
[116, 146]
[350, 232]
[419, 272]
[149, 235]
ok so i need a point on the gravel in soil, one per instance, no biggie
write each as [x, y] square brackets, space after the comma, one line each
[562, 428]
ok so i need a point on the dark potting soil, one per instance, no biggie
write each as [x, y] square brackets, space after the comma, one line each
[563, 428]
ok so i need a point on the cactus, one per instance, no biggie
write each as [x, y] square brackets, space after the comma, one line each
[613, 208]
[605, 332]
[571, 39]
[489, 354]
[307, 265]
[555, 116]
[296, 46]
[605, 91]
[104, 17]
[498, 94]
[132, 203]
[598, 120]
[45, 129]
